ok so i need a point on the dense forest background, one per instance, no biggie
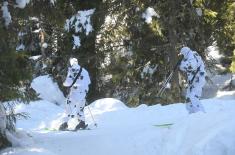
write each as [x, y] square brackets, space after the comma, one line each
[127, 56]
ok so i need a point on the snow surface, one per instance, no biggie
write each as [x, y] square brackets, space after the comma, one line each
[21, 3]
[44, 45]
[214, 88]
[148, 15]
[213, 51]
[20, 47]
[6, 14]
[35, 57]
[53, 1]
[127, 131]
[148, 69]
[81, 21]
[199, 11]
[76, 42]
[47, 89]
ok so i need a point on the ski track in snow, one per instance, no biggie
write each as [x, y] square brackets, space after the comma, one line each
[129, 131]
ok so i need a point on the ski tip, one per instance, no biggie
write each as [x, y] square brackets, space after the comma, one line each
[166, 125]
[49, 129]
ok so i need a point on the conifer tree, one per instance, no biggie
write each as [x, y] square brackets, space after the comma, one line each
[15, 73]
[128, 53]
[139, 55]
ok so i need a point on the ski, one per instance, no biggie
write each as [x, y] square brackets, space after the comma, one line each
[74, 130]
[50, 129]
[53, 129]
[166, 125]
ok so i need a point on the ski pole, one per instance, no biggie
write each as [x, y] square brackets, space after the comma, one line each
[91, 114]
[166, 81]
[159, 94]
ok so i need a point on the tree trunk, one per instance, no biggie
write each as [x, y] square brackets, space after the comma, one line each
[173, 51]
[4, 142]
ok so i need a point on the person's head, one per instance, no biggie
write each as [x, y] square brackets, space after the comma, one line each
[73, 62]
[184, 51]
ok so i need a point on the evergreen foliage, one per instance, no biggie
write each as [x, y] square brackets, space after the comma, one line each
[134, 48]
[219, 21]
[127, 57]
[15, 76]
[232, 68]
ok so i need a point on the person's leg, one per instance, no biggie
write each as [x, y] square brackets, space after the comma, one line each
[80, 110]
[189, 107]
[68, 115]
[188, 96]
[197, 92]
[197, 104]
[194, 105]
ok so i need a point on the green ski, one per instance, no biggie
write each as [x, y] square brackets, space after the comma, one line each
[166, 125]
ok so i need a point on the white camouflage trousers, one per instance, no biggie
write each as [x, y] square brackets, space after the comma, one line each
[193, 94]
[75, 104]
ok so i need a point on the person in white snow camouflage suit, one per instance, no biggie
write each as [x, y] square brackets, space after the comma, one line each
[78, 81]
[194, 68]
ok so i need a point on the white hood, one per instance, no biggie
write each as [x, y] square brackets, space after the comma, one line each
[185, 51]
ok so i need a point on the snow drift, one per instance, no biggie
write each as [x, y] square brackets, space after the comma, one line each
[47, 89]
[123, 130]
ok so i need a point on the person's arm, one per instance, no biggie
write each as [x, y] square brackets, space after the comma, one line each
[192, 65]
[69, 79]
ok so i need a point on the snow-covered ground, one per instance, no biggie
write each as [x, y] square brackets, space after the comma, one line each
[128, 131]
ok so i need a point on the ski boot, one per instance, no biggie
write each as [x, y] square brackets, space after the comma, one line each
[81, 126]
[63, 126]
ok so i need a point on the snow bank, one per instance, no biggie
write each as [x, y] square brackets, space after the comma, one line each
[47, 89]
[132, 131]
[27, 151]
[42, 114]
[213, 51]
[204, 134]
[107, 105]
[214, 88]
[226, 95]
